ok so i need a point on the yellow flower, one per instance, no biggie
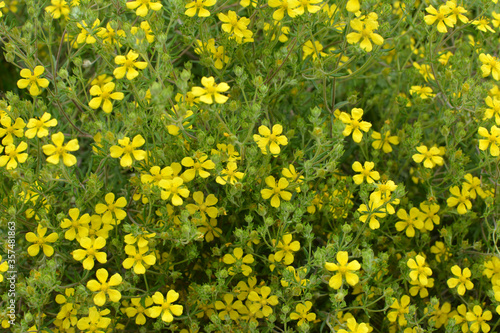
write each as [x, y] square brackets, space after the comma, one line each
[211, 91]
[456, 12]
[174, 188]
[431, 157]
[284, 6]
[425, 71]
[491, 140]
[137, 309]
[203, 206]
[11, 129]
[423, 92]
[229, 174]
[372, 211]
[384, 143]
[313, 50]
[429, 215]
[39, 127]
[78, 225]
[478, 318]
[148, 34]
[197, 6]
[364, 32]
[32, 80]
[41, 241]
[308, 6]
[109, 35]
[13, 153]
[104, 95]
[302, 313]
[365, 172]
[286, 248]
[293, 176]
[400, 309]
[491, 65]
[462, 199]
[113, 214]
[441, 16]
[90, 251]
[261, 303]
[234, 26]
[230, 309]
[239, 262]
[410, 222]
[142, 6]
[272, 139]
[58, 151]
[354, 327]
[354, 124]
[353, 6]
[58, 8]
[462, 280]
[129, 64]
[103, 287]
[2, 5]
[419, 269]
[164, 307]
[129, 150]
[101, 80]
[94, 321]
[482, 24]
[343, 269]
[494, 110]
[198, 166]
[277, 190]
[85, 35]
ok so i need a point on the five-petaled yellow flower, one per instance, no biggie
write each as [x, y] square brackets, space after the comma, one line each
[129, 64]
[164, 307]
[211, 92]
[143, 5]
[302, 313]
[90, 252]
[59, 150]
[39, 127]
[354, 124]
[364, 32]
[462, 279]
[129, 150]
[343, 269]
[277, 190]
[13, 155]
[32, 80]
[365, 171]
[272, 139]
[431, 157]
[40, 241]
[104, 96]
[198, 6]
[59, 8]
[103, 287]
[112, 209]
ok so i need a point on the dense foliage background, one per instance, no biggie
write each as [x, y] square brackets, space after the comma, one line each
[274, 166]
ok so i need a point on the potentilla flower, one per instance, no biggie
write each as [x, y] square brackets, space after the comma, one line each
[113, 214]
[90, 252]
[483, 24]
[441, 16]
[400, 309]
[261, 306]
[138, 310]
[32, 80]
[230, 308]
[364, 33]
[284, 6]
[104, 96]
[109, 35]
[164, 307]
[456, 12]
[308, 6]
[462, 279]
[238, 262]
[41, 241]
[197, 166]
[365, 172]
[409, 222]
[197, 6]
[40, 127]
[423, 92]
[130, 64]
[229, 174]
[101, 80]
[173, 189]
[277, 190]
[491, 140]
[103, 287]
[138, 256]
[493, 110]
[272, 139]
[425, 71]
[232, 24]
[491, 65]
[354, 124]
[460, 198]
[203, 206]
[59, 150]
[353, 6]
[13, 155]
[59, 8]
[431, 157]
[286, 248]
[143, 6]
[95, 321]
[129, 150]
[211, 92]
[78, 225]
[419, 269]
[385, 142]
[478, 319]
[355, 327]
[429, 215]
[85, 35]
[2, 5]
[10, 130]
[312, 49]
[343, 269]
[148, 33]
[302, 313]
[372, 212]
